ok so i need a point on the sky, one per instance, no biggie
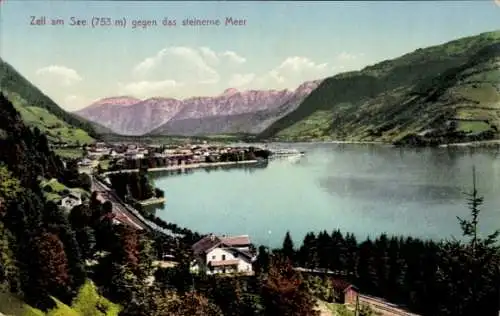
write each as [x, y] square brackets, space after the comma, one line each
[278, 46]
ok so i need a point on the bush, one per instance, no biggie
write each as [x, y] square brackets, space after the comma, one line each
[159, 193]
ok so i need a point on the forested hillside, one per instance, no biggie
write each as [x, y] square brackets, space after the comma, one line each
[40, 255]
[38, 110]
[55, 262]
[444, 93]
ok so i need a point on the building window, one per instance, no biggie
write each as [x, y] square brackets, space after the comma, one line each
[213, 257]
[223, 257]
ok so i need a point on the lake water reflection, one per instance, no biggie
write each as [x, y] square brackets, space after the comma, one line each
[364, 189]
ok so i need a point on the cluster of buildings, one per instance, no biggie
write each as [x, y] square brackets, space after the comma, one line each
[186, 153]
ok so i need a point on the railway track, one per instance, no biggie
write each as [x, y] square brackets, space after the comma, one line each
[126, 213]
[119, 209]
[384, 307]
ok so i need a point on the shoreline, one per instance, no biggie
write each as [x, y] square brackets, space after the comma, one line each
[200, 165]
[152, 201]
[482, 143]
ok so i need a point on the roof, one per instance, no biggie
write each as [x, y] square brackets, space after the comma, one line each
[73, 195]
[242, 240]
[205, 244]
[211, 241]
[244, 252]
[221, 263]
[341, 285]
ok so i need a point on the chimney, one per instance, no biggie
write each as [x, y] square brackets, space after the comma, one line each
[212, 237]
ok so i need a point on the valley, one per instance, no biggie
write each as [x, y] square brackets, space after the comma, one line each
[447, 93]
[263, 168]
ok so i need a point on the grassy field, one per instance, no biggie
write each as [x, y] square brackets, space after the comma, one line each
[57, 190]
[314, 126]
[38, 110]
[69, 152]
[172, 139]
[56, 129]
[104, 163]
[473, 126]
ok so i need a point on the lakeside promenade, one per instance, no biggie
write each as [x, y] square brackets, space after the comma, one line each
[200, 165]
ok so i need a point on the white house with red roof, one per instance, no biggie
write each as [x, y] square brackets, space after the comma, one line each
[222, 254]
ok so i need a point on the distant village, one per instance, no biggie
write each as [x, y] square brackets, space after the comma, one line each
[175, 154]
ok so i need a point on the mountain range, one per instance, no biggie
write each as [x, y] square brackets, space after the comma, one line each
[231, 112]
[448, 89]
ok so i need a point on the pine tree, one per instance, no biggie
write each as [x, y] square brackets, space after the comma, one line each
[469, 272]
[288, 247]
[397, 270]
[382, 263]
[351, 246]
[324, 246]
[86, 241]
[367, 276]
[308, 253]
[263, 259]
[338, 252]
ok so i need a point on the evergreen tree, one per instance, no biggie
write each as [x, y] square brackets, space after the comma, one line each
[86, 240]
[397, 270]
[469, 272]
[288, 247]
[338, 252]
[308, 253]
[325, 254]
[367, 276]
[262, 263]
[351, 261]
[382, 264]
[80, 216]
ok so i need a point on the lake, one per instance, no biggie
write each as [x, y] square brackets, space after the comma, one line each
[363, 189]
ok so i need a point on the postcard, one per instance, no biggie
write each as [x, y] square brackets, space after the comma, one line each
[254, 158]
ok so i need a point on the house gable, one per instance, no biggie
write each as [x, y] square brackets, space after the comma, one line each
[223, 254]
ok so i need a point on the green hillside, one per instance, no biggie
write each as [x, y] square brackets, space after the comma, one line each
[450, 92]
[38, 110]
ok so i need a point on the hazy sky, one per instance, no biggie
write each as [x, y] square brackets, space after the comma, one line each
[281, 44]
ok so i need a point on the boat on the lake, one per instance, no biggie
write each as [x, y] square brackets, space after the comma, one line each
[277, 153]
